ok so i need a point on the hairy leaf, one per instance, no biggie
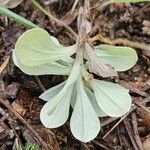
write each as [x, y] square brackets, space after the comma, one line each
[74, 97]
[50, 93]
[98, 110]
[121, 58]
[112, 98]
[36, 47]
[56, 111]
[54, 68]
[84, 122]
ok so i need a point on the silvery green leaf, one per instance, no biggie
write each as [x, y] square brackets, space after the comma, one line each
[14, 58]
[73, 97]
[98, 110]
[112, 98]
[66, 61]
[76, 70]
[121, 58]
[55, 68]
[56, 111]
[84, 122]
[36, 47]
[50, 93]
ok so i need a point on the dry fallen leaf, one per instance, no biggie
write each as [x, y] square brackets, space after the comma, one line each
[69, 17]
[12, 90]
[4, 65]
[146, 144]
[2, 129]
[146, 27]
[19, 108]
[145, 116]
[96, 66]
[10, 3]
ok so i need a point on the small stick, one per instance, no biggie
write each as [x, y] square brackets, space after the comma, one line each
[142, 106]
[40, 83]
[131, 88]
[74, 6]
[13, 128]
[45, 146]
[122, 41]
[3, 66]
[135, 130]
[128, 128]
[105, 147]
[123, 139]
[122, 118]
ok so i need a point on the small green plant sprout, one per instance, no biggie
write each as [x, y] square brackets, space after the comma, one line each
[30, 146]
[38, 53]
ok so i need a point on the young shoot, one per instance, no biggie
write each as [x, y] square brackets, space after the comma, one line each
[38, 53]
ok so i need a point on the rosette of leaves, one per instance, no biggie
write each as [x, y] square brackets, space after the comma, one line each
[38, 53]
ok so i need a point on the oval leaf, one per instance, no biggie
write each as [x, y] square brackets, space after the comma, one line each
[98, 110]
[84, 123]
[112, 98]
[121, 58]
[53, 68]
[36, 47]
[50, 93]
[56, 111]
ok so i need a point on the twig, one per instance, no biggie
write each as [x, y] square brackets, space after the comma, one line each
[122, 118]
[120, 41]
[4, 64]
[13, 128]
[4, 116]
[40, 83]
[142, 106]
[123, 139]
[102, 6]
[74, 6]
[103, 145]
[53, 18]
[128, 128]
[133, 89]
[108, 121]
[85, 146]
[45, 146]
[135, 130]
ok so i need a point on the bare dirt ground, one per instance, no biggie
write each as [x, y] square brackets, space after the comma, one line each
[20, 92]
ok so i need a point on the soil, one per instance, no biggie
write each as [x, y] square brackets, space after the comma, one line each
[21, 91]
